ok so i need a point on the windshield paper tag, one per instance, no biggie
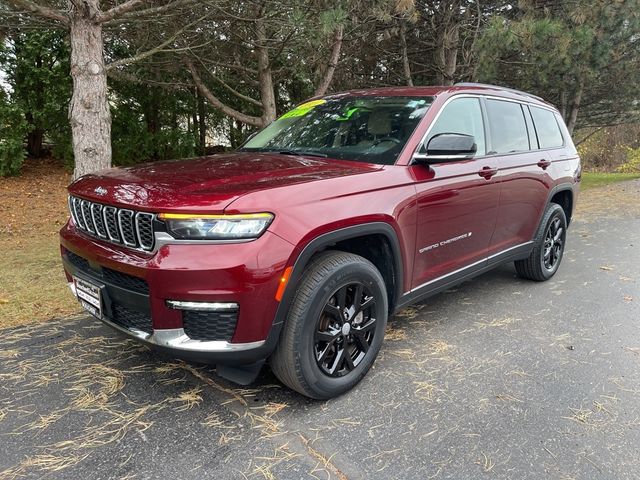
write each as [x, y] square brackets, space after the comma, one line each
[303, 109]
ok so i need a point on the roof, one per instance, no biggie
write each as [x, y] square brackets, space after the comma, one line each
[433, 91]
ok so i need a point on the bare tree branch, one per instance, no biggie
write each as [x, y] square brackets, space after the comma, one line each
[118, 10]
[150, 12]
[156, 49]
[216, 102]
[233, 90]
[40, 10]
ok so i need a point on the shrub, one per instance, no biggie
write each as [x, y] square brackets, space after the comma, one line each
[13, 129]
[632, 165]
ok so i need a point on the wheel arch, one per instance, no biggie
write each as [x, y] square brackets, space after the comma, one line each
[563, 196]
[563, 192]
[373, 241]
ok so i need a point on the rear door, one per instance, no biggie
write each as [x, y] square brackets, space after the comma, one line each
[457, 201]
[523, 176]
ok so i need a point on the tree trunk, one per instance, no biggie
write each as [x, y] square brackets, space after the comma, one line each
[446, 55]
[575, 107]
[202, 123]
[406, 67]
[265, 79]
[89, 113]
[34, 142]
[333, 63]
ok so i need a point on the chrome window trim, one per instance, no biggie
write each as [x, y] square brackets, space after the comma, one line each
[480, 96]
[416, 152]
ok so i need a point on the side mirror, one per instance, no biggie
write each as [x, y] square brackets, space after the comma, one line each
[448, 147]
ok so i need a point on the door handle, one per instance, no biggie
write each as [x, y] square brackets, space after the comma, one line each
[487, 172]
[543, 164]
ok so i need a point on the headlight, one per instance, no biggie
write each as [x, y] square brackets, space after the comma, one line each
[216, 227]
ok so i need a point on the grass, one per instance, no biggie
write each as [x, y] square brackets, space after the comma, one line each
[32, 283]
[596, 179]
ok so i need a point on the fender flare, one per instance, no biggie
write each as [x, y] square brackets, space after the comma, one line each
[558, 188]
[324, 240]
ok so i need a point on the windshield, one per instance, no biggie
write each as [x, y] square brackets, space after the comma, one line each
[365, 129]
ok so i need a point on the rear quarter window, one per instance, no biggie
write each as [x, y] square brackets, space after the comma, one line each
[547, 128]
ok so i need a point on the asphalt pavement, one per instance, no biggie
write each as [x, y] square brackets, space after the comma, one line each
[496, 378]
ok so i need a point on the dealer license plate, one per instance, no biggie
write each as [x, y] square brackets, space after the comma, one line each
[89, 296]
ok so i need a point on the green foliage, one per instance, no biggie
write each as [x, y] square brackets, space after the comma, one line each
[37, 66]
[13, 129]
[148, 124]
[595, 179]
[632, 164]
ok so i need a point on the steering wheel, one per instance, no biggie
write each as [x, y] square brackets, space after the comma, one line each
[386, 139]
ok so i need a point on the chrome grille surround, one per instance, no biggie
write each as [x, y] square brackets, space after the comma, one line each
[116, 225]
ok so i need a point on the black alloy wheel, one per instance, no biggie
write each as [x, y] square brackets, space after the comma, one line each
[345, 329]
[548, 246]
[334, 327]
[553, 244]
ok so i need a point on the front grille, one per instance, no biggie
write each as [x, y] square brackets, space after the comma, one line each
[209, 326]
[117, 225]
[78, 261]
[128, 318]
[114, 277]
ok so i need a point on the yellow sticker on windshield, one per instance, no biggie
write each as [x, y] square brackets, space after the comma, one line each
[303, 109]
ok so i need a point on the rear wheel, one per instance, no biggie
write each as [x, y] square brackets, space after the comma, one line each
[334, 328]
[548, 248]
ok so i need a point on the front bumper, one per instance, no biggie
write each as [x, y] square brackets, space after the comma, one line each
[143, 286]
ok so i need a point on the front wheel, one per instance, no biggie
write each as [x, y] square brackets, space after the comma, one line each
[334, 328]
[548, 247]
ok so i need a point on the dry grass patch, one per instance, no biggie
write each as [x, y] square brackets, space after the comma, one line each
[32, 283]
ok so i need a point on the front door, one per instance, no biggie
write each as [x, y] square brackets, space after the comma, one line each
[457, 201]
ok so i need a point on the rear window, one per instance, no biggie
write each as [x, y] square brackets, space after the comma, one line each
[508, 127]
[547, 128]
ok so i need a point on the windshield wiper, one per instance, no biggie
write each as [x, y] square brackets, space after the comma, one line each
[301, 153]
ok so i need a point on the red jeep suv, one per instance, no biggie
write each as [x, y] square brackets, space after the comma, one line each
[298, 246]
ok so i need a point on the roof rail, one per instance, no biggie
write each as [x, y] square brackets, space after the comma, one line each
[497, 87]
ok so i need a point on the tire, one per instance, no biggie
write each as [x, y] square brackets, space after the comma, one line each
[548, 248]
[307, 358]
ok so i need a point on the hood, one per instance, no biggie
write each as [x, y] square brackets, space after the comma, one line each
[207, 183]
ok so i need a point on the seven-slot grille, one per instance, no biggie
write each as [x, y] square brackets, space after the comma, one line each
[117, 225]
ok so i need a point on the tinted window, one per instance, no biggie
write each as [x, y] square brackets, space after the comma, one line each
[508, 127]
[367, 129]
[462, 115]
[547, 128]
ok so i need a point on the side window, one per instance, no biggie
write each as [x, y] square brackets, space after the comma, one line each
[461, 115]
[508, 127]
[549, 135]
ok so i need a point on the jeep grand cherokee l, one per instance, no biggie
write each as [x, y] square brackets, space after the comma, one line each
[298, 246]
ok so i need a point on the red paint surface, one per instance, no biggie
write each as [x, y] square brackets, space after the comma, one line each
[311, 196]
